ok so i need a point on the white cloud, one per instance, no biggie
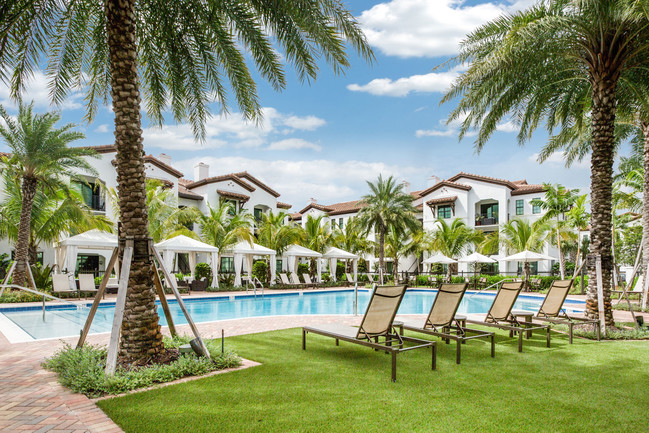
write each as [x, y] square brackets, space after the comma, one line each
[558, 159]
[425, 28]
[102, 128]
[293, 143]
[452, 129]
[508, 126]
[328, 181]
[434, 133]
[429, 83]
[37, 90]
[232, 130]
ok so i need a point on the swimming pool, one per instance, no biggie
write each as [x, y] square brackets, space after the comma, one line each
[66, 321]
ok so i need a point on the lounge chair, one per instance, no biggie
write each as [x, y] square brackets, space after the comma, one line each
[350, 279]
[377, 323]
[500, 315]
[87, 283]
[62, 283]
[552, 311]
[295, 281]
[113, 285]
[308, 281]
[283, 278]
[370, 278]
[442, 322]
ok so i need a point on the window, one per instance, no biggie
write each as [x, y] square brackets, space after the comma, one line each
[340, 223]
[227, 265]
[520, 207]
[536, 208]
[534, 268]
[444, 211]
[278, 265]
[258, 213]
[233, 206]
[91, 194]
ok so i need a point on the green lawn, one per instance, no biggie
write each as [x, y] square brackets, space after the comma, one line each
[584, 387]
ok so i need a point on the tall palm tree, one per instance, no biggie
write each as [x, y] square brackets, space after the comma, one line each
[453, 240]
[352, 239]
[275, 233]
[54, 214]
[519, 235]
[317, 236]
[166, 219]
[557, 201]
[546, 64]
[40, 159]
[578, 219]
[397, 244]
[224, 227]
[190, 54]
[386, 206]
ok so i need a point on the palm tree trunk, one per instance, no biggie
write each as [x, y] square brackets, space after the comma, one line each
[381, 253]
[141, 337]
[526, 276]
[24, 230]
[562, 259]
[601, 178]
[645, 200]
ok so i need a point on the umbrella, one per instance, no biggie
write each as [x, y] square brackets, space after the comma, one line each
[476, 258]
[527, 256]
[439, 258]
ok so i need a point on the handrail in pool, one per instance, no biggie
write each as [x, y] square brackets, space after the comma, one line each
[44, 295]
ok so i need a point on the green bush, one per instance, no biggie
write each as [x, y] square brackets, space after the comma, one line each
[17, 296]
[42, 277]
[362, 266]
[82, 370]
[203, 270]
[303, 268]
[260, 271]
[340, 270]
[226, 279]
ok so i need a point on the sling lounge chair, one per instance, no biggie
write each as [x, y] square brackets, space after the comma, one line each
[552, 311]
[62, 283]
[350, 279]
[441, 320]
[308, 281]
[295, 281]
[376, 324]
[370, 278]
[500, 315]
[87, 283]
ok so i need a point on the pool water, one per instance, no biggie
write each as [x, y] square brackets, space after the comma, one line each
[65, 321]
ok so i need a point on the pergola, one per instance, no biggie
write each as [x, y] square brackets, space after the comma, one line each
[68, 249]
[333, 254]
[246, 250]
[182, 244]
[295, 251]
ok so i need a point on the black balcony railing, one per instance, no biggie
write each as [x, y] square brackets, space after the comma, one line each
[97, 203]
[484, 221]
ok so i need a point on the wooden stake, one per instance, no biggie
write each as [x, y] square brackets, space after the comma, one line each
[645, 292]
[163, 298]
[111, 360]
[30, 276]
[98, 296]
[600, 295]
[172, 283]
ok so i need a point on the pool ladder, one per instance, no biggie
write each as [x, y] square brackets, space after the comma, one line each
[44, 295]
[254, 282]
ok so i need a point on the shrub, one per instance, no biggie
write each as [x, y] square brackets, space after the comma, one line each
[303, 268]
[203, 270]
[260, 271]
[340, 270]
[42, 277]
[226, 279]
[82, 370]
[362, 266]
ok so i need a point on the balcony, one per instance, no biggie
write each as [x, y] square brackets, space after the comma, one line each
[486, 221]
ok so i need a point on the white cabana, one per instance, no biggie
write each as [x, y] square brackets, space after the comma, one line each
[527, 256]
[295, 251]
[67, 249]
[186, 245]
[245, 250]
[333, 254]
[439, 258]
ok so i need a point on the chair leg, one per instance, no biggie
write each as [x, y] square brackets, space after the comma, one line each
[520, 341]
[458, 351]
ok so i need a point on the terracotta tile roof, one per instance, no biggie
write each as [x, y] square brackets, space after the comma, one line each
[183, 192]
[162, 166]
[165, 182]
[247, 176]
[346, 207]
[284, 205]
[520, 182]
[8, 155]
[497, 181]
[528, 189]
[236, 179]
[295, 216]
[316, 206]
[420, 206]
[415, 194]
[103, 148]
[232, 194]
[441, 200]
[443, 183]
[185, 182]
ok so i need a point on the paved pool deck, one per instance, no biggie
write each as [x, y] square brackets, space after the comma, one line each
[31, 400]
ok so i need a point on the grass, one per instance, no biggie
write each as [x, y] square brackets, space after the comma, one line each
[584, 387]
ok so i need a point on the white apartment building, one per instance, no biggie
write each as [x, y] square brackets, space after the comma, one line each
[482, 202]
[243, 189]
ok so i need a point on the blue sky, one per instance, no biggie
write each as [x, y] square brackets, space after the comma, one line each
[325, 139]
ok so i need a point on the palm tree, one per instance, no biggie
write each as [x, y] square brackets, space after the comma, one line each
[557, 201]
[351, 238]
[54, 214]
[166, 219]
[275, 233]
[224, 227]
[317, 236]
[190, 54]
[40, 160]
[578, 219]
[386, 206]
[453, 240]
[519, 235]
[397, 246]
[548, 63]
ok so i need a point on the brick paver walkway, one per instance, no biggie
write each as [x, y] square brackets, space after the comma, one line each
[32, 400]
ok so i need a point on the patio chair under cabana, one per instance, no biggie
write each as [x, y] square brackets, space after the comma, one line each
[294, 251]
[185, 245]
[245, 250]
[333, 254]
[68, 249]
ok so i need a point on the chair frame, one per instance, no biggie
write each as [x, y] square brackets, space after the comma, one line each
[510, 322]
[461, 335]
[563, 318]
[393, 343]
